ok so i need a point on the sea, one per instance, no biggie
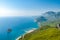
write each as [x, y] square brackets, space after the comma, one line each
[17, 26]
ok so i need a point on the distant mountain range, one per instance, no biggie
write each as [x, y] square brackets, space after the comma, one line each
[48, 16]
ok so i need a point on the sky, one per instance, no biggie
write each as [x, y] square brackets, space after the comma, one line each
[27, 7]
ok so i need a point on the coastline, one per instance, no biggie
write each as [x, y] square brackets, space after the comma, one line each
[29, 31]
[18, 38]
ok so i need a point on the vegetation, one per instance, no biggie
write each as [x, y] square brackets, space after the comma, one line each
[45, 32]
[48, 33]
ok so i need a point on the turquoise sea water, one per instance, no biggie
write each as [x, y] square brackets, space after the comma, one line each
[18, 25]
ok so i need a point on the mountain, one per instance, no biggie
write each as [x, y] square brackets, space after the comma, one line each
[41, 19]
[58, 15]
[49, 16]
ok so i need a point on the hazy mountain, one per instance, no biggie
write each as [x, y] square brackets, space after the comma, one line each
[48, 16]
[58, 15]
[41, 19]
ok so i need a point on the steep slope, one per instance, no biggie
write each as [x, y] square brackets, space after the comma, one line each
[46, 34]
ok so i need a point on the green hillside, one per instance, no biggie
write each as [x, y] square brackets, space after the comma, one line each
[43, 34]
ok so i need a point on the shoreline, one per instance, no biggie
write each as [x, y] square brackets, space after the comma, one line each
[29, 31]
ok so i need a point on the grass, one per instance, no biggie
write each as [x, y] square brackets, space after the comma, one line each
[46, 34]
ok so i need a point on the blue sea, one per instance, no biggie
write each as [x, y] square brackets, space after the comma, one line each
[18, 25]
